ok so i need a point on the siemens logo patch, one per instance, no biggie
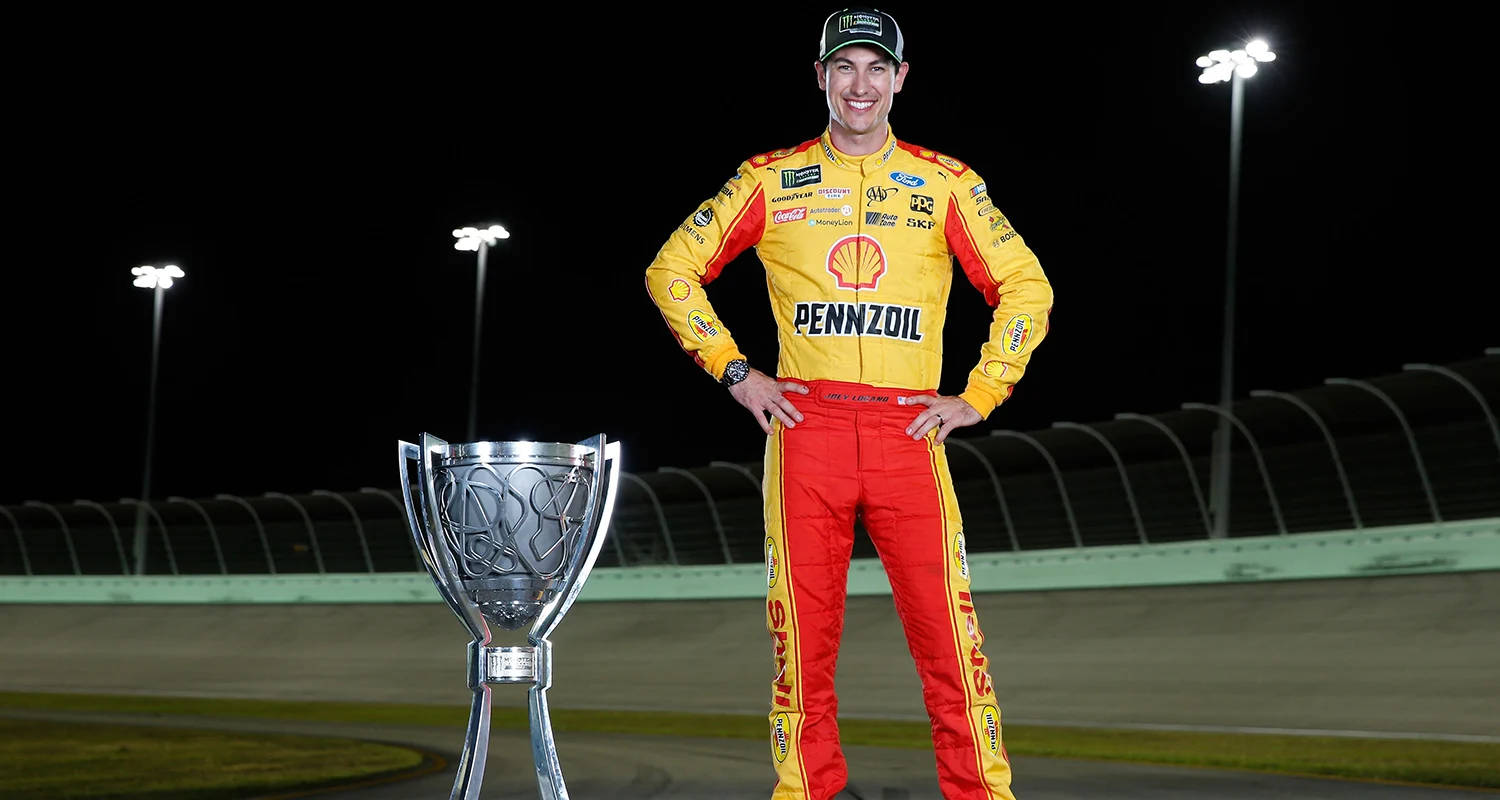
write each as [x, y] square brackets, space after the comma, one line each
[858, 319]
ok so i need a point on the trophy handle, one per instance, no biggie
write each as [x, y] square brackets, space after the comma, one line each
[410, 452]
[601, 508]
[446, 568]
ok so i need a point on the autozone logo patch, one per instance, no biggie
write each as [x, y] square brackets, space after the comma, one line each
[989, 722]
[1017, 333]
[858, 319]
[771, 563]
[792, 178]
[857, 262]
[960, 555]
[790, 215]
[781, 736]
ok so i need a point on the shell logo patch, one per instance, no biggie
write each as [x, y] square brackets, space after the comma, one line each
[703, 325]
[781, 736]
[857, 262]
[772, 563]
[679, 289]
[989, 724]
[960, 555]
[1018, 331]
[994, 369]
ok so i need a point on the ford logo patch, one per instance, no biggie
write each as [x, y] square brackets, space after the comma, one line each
[910, 181]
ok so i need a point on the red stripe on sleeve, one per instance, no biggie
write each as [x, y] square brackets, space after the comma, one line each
[745, 231]
[961, 242]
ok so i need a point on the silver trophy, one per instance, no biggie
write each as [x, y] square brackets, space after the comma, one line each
[509, 532]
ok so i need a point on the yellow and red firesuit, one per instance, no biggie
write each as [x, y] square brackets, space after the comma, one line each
[859, 253]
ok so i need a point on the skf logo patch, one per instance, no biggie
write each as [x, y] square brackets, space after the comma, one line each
[989, 725]
[857, 262]
[772, 563]
[1017, 333]
[680, 290]
[922, 204]
[960, 555]
[703, 325]
[793, 178]
[781, 736]
[994, 369]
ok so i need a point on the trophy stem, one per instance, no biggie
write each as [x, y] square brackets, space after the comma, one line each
[544, 747]
[476, 748]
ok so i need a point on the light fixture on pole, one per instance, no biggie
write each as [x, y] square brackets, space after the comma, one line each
[480, 240]
[159, 280]
[1233, 66]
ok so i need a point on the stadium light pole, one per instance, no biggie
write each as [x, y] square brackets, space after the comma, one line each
[158, 280]
[474, 239]
[1234, 66]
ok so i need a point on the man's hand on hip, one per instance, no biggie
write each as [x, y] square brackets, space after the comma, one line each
[759, 393]
[943, 412]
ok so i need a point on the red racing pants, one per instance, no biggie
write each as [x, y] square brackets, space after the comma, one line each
[851, 456]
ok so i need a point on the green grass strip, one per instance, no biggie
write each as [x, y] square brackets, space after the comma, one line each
[44, 760]
[1468, 764]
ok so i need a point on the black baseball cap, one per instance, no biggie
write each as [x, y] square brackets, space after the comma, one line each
[869, 26]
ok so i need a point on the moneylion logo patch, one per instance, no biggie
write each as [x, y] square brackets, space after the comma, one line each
[989, 722]
[781, 736]
[960, 555]
[771, 562]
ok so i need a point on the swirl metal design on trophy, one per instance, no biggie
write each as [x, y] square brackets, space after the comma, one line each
[509, 532]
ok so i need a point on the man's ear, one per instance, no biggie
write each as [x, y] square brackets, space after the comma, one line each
[900, 77]
[822, 77]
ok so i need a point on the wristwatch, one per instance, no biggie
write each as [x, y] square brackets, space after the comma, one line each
[735, 371]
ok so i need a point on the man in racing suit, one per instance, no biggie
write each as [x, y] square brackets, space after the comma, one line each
[858, 232]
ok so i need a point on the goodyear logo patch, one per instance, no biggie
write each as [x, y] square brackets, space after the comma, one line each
[960, 555]
[989, 726]
[679, 289]
[703, 325]
[773, 565]
[1017, 333]
[781, 736]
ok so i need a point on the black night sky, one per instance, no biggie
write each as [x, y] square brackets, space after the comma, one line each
[305, 169]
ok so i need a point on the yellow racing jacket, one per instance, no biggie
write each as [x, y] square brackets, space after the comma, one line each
[859, 257]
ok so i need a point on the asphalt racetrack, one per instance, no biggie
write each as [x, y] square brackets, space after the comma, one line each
[1397, 655]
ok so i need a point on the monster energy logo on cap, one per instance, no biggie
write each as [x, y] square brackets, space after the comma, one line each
[860, 22]
[868, 26]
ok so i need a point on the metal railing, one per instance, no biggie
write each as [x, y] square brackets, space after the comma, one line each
[1312, 460]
